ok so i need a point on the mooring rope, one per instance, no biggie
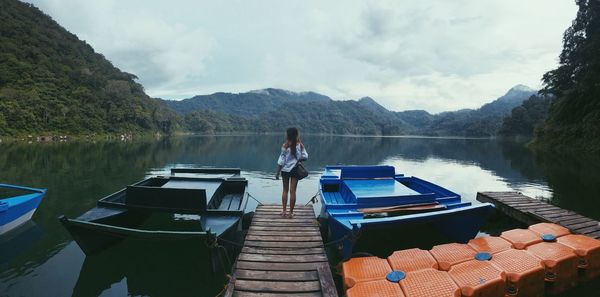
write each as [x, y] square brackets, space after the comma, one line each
[255, 199]
[314, 199]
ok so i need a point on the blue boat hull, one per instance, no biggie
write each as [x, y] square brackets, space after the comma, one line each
[457, 225]
[17, 210]
[367, 200]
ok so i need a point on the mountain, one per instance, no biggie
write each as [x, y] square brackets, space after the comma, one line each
[53, 82]
[573, 122]
[244, 104]
[272, 110]
[482, 122]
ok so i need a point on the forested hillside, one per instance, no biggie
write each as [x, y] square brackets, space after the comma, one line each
[245, 104]
[50, 81]
[525, 118]
[574, 118]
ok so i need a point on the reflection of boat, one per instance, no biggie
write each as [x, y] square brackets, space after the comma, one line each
[18, 206]
[175, 269]
[193, 206]
[18, 241]
[368, 199]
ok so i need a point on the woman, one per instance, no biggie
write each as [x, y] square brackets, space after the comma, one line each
[292, 152]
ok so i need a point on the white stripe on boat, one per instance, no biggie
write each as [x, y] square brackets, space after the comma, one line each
[17, 222]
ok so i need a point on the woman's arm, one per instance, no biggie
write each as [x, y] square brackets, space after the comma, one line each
[280, 161]
[303, 152]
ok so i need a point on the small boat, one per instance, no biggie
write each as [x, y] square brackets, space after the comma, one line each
[195, 206]
[17, 205]
[358, 200]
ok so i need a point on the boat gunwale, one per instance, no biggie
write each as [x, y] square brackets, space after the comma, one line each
[133, 231]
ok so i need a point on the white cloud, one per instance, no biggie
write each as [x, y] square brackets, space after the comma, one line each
[435, 55]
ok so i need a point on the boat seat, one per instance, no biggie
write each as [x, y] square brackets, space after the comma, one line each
[166, 199]
[353, 172]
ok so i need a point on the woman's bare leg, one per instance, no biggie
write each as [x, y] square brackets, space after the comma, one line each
[293, 186]
[284, 194]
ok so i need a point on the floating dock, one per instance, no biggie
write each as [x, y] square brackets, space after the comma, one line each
[545, 259]
[530, 211]
[282, 257]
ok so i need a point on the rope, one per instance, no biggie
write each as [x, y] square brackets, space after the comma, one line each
[230, 242]
[314, 199]
[250, 195]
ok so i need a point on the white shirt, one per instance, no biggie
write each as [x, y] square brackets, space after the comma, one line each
[287, 161]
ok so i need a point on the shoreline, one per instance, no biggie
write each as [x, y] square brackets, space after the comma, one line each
[129, 136]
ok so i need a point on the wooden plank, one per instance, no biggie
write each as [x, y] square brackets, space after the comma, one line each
[278, 266]
[286, 223]
[283, 238]
[284, 244]
[574, 221]
[277, 286]
[260, 294]
[567, 217]
[279, 251]
[594, 234]
[327, 285]
[277, 275]
[278, 216]
[283, 228]
[285, 233]
[285, 220]
[278, 212]
[279, 208]
[588, 229]
[575, 227]
[282, 258]
[525, 204]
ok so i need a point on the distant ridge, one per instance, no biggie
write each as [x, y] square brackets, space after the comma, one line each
[271, 110]
[245, 104]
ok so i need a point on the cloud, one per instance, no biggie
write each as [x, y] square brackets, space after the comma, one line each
[435, 55]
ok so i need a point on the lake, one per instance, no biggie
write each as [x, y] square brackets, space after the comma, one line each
[40, 259]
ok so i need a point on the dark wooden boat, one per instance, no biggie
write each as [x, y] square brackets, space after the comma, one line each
[198, 207]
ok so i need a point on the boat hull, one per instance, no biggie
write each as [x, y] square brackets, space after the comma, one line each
[456, 225]
[15, 211]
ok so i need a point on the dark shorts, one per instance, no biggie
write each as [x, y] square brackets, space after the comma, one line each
[292, 173]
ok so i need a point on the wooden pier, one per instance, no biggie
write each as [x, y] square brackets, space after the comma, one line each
[531, 211]
[282, 257]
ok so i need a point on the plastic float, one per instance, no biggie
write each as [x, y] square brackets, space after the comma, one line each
[543, 259]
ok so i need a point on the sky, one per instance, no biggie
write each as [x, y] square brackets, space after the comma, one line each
[436, 55]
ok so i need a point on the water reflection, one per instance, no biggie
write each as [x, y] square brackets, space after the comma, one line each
[77, 174]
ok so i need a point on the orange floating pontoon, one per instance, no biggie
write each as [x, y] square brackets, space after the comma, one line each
[412, 260]
[490, 244]
[521, 238]
[428, 283]
[549, 228]
[478, 278]
[524, 273]
[588, 251]
[451, 254]
[364, 269]
[560, 263]
[377, 288]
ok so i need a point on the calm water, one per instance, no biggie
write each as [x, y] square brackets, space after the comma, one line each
[40, 259]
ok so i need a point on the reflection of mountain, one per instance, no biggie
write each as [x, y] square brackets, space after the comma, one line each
[575, 181]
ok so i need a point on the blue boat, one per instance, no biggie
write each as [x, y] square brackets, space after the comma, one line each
[17, 205]
[358, 200]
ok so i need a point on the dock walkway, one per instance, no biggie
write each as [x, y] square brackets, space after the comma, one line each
[530, 211]
[282, 257]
